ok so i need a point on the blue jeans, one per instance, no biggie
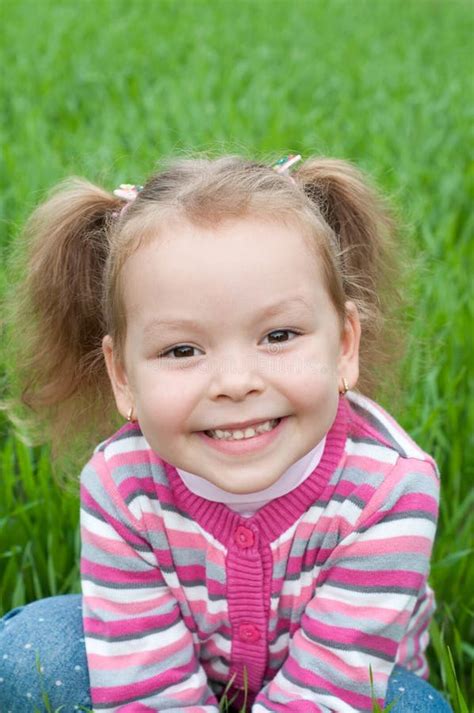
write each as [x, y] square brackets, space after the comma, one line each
[42, 651]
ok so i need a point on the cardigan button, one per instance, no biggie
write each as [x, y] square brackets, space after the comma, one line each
[244, 537]
[249, 633]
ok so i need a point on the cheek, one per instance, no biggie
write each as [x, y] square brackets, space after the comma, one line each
[310, 371]
[165, 400]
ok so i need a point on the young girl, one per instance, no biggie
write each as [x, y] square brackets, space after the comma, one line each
[257, 522]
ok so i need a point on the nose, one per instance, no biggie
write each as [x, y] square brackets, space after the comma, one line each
[235, 379]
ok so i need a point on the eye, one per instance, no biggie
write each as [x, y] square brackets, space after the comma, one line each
[282, 332]
[181, 349]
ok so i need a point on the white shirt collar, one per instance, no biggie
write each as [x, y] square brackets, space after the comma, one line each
[248, 503]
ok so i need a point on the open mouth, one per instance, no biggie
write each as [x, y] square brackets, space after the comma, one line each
[245, 433]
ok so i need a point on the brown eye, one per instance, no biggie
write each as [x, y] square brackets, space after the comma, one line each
[281, 332]
[180, 352]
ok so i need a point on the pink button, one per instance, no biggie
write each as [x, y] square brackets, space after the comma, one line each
[249, 633]
[244, 537]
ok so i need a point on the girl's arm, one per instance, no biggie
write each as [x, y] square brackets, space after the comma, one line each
[140, 654]
[370, 591]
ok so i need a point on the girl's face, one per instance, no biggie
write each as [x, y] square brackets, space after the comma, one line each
[229, 325]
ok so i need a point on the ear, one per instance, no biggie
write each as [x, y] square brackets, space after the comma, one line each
[348, 365]
[118, 377]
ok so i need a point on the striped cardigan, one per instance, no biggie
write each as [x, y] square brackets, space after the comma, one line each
[297, 602]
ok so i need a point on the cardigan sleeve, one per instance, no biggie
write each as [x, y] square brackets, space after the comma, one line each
[140, 654]
[370, 594]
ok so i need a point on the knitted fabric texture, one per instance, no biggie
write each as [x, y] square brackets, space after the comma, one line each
[182, 594]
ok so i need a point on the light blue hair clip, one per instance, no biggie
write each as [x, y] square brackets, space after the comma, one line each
[285, 163]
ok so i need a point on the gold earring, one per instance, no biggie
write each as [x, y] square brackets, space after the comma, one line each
[345, 387]
[130, 415]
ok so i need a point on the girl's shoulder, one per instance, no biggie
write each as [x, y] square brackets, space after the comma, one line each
[127, 438]
[371, 426]
[126, 455]
[123, 475]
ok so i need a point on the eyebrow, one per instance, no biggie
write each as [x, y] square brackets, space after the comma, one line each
[285, 305]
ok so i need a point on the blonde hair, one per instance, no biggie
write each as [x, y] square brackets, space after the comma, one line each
[78, 240]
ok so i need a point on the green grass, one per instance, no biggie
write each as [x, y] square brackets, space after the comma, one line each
[105, 89]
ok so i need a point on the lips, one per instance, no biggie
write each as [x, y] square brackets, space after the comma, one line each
[242, 425]
[245, 446]
[257, 430]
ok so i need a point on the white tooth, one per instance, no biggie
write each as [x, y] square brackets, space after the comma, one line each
[248, 433]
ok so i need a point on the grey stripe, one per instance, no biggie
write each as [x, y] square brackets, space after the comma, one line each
[357, 476]
[120, 562]
[391, 631]
[411, 515]
[344, 647]
[368, 416]
[140, 470]
[390, 562]
[107, 584]
[373, 590]
[144, 671]
[128, 637]
[164, 703]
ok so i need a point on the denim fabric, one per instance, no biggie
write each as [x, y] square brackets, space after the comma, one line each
[52, 628]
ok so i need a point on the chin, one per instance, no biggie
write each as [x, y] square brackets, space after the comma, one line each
[246, 488]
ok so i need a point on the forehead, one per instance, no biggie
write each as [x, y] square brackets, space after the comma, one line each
[235, 263]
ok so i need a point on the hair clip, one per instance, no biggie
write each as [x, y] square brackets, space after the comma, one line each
[283, 164]
[127, 192]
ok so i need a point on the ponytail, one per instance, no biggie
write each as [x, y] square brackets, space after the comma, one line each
[57, 314]
[363, 226]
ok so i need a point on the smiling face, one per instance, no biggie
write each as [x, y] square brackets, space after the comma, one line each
[235, 360]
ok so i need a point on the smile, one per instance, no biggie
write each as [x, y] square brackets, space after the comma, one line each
[239, 443]
[244, 433]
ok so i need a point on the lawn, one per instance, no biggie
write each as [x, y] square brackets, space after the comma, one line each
[106, 88]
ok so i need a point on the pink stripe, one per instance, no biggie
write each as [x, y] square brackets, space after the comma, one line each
[105, 477]
[305, 677]
[323, 526]
[171, 677]
[129, 608]
[133, 486]
[368, 548]
[178, 538]
[415, 501]
[129, 578]
[375, 510]
[349, 637]
[152, 522]
[375, 578]
[360, 674]
[346, 488]
[200, 608]
[135, 707]
[133, 626]
[110, 662]
[328, 606]
[290, 706]
[213, 649]
[293, 601]
[97, 510]
[105, 544]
